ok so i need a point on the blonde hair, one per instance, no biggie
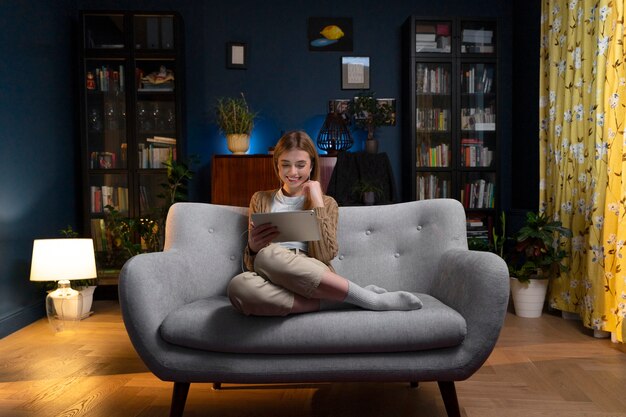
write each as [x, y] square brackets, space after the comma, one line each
[298, 139]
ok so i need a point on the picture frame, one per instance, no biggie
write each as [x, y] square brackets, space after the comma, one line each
[236, 55]
[330, 34]
[355, 73]
[392, 103]
[342, 107]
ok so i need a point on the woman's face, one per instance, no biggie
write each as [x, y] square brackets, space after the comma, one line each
[294, 168]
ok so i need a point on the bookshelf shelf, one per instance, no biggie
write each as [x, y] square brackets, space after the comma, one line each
[130, 83]
[450, 96]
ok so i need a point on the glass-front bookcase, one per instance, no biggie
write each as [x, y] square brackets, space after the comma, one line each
[130, 83]
[450, 133]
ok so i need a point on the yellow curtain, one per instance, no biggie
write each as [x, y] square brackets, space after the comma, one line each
[582, 98]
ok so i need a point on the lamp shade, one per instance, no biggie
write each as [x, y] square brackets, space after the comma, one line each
[62, 259]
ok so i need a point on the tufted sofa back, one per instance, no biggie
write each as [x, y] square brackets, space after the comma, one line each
[394, 246]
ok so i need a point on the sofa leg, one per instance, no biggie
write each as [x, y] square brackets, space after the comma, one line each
[217, 386]
[448, 393]
[415, 384]
[179, 398]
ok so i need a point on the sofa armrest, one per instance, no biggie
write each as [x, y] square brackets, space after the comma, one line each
[476, 284]
[151, 285]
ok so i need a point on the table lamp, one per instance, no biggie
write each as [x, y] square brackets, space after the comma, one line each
[334, 136]
[63, 260]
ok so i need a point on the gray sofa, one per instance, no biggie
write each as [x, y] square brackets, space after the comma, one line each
[182, 325]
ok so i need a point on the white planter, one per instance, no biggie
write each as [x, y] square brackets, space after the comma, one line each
[87, 293]
[529, 297]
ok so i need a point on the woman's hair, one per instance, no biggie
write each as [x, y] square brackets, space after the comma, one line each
[298, 139]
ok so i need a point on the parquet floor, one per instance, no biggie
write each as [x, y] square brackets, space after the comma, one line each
[540, 367]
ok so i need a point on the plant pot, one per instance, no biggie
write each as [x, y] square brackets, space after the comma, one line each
[87, 293]
[369, 198]
[238, 143]
[371, 146]
[529, 297]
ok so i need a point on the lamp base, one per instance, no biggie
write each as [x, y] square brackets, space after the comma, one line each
[64, 307]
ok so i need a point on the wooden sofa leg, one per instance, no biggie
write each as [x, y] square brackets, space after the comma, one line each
[179, 398]
[217, 386]
[415, 384]
[448, 393]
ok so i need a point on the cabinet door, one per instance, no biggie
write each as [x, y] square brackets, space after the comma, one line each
[433, 129]
[106, 114]
[478, 37]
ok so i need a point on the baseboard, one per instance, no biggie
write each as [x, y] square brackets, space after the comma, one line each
[22, 318]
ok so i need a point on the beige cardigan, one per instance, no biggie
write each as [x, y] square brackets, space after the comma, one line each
[324, 249]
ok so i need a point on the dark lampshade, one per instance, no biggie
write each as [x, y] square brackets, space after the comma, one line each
[334, 135]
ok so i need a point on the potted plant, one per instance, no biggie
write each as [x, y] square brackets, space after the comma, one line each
[369, 114]
[535, 259]
[236, 121]
[367, 192]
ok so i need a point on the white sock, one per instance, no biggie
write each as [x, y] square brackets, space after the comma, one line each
[336, 305]
[371, 300]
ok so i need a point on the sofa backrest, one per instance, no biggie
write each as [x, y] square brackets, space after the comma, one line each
[393, 246]
[398, 246]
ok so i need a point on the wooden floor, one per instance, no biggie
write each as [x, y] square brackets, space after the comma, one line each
[540, 367]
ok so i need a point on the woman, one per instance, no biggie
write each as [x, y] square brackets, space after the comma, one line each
[296, 277]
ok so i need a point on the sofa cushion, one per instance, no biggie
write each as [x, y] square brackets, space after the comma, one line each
[213, 324]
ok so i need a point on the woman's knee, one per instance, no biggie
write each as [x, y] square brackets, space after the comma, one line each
[251, 294]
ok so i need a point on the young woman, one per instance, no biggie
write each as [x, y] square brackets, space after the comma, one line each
[296, 277]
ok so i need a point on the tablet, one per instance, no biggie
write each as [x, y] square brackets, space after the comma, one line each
[297, 225]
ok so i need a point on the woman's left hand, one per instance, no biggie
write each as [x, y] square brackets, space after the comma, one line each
[313, 190]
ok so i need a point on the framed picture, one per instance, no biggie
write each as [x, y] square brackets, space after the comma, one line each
[330, 34]
[355, 73]
[391, 102]
[236, 55]
[340, 106]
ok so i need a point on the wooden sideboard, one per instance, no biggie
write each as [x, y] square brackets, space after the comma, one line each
[234, 178]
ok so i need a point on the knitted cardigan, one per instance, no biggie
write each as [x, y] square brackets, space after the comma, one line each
[324, 249]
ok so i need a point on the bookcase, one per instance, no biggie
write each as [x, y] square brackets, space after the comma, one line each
[130, 81]
[450, 105]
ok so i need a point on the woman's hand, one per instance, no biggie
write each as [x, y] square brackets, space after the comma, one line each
[313, 191]
[261, 236]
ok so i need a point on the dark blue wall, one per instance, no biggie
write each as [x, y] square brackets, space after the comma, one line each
[288, 85]
[37, 145]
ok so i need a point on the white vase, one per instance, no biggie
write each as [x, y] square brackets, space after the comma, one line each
[529, 297]
[238, 143]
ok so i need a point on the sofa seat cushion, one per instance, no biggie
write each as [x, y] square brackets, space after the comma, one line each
[213, 324]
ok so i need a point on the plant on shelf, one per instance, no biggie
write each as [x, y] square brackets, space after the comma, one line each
[367, 192]
[122, 230]
[538, 252]
[236, 121]
[368, 114]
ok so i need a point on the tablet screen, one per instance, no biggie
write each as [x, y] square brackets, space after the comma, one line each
[297, 225]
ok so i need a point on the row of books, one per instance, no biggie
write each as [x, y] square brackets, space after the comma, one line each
[432, 80]
[475, 154]
[432, 186]
[432, 119]
[105, 79]
[481, 36]
[101, 237]
[432, 37]
[433, 156]
[480, 119]
[157, 152]
[477, 79]
[478, 194]
[102, 196]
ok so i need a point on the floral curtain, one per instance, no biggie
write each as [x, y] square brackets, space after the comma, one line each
[582, 102]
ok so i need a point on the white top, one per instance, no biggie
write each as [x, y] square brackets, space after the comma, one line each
[283, 203]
